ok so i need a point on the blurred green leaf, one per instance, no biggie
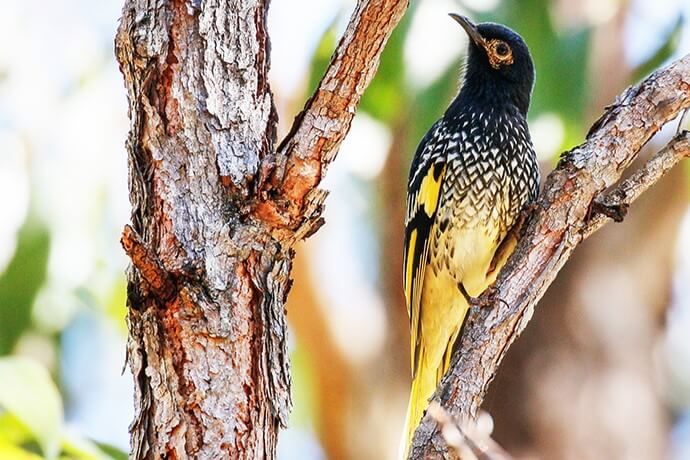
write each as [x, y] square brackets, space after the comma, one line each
[72, 445]
[21, 281]
[76, 447]
[113, 452]
[10, 451]
[387, 94]
[28, 392]
[13, 430]
[321, 57]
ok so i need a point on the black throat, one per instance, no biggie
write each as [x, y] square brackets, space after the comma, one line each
[481, 92]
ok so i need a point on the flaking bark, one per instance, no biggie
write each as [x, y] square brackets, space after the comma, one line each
[216, 209]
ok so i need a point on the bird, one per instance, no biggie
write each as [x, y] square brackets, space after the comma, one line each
[472, 177]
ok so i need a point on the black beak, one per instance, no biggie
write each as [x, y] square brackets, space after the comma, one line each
[470, 28]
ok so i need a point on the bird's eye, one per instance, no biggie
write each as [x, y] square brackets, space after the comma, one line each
[499, 53]
[502, 50]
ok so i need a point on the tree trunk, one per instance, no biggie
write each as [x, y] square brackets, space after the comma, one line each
[216, 210]
[207, 343]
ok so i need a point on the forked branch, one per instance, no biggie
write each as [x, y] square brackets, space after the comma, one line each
[630, 189]
[291, 199]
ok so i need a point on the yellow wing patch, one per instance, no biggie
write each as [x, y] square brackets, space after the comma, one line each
[423, 202]
[429, 191]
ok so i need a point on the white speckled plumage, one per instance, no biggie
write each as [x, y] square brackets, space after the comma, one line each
[471, 176]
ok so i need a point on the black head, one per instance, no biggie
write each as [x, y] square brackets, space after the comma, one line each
[499, 65]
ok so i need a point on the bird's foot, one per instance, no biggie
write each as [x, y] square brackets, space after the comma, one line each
[490, 297]
[616, 211]
[479, 302]
[487, 298]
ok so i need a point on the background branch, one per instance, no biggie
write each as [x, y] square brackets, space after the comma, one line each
[558, 225]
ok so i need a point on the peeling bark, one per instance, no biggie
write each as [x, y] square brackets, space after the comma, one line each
[210, 272]
[563, 218]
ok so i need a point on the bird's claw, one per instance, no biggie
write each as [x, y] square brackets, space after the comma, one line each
[617, 211]
[487, 299]
[479, 302]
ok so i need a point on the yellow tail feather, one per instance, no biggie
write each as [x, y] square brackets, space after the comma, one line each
[429, 374]
[442, 312]
[423, 386]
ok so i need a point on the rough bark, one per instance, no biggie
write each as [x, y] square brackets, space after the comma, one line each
[566, 213]
[216, 210]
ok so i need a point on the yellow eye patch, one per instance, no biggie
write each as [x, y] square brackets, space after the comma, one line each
[499, 53]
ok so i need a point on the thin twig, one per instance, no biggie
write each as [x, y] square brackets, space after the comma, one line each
[466, 438]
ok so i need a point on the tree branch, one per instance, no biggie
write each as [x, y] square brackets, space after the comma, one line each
[561, 221]
[291, 199]
[630, 189]
[147, 263]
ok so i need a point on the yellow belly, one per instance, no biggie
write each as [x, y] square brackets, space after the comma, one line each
[470, 251]
[465, 258]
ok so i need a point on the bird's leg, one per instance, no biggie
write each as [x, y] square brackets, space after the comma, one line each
[486, 299]
[473, 301]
